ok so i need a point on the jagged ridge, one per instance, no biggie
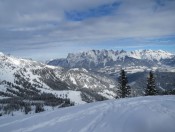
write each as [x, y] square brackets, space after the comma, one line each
[98, 59]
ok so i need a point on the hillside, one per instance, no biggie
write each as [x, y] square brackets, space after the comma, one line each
[141, 114]
[26, 83]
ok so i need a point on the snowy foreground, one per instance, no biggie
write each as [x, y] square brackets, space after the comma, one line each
[141, 114]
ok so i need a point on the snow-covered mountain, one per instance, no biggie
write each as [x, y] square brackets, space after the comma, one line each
[141, 114]
[26, 81]
[19, 77]
[137, 64]
[95, 59]
[149, 54]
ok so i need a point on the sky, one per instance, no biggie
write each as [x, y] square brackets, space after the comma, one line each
[48, 29]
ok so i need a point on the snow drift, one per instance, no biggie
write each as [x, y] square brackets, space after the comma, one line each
[141, 114]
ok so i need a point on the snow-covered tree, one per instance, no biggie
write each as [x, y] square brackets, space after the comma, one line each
[124, 88]
[151, 86]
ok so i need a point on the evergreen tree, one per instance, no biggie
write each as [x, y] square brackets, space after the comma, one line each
[124, 88]
[39, 108]
[151, 87]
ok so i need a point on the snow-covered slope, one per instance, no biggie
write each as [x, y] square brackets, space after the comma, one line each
[85, 79]
[141, 114]
[23, 73]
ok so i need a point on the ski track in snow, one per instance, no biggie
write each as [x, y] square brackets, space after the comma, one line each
[141, 114]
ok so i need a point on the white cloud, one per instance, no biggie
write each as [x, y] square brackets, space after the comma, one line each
[27, 24]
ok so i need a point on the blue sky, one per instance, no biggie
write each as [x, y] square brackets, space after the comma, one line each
[53, 28]
[94, 12]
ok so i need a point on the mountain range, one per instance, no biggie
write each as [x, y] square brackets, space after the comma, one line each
[80, 78]
[136, 63]
[96, 59]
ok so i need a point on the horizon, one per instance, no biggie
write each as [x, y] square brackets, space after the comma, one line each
[52, 29]
[44, 61]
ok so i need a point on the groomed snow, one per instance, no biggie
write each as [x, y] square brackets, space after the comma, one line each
[141, 114]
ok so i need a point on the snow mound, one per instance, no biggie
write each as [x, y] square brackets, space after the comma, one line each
[141, 114]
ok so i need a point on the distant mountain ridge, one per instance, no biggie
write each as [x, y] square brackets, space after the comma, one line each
[94, 59]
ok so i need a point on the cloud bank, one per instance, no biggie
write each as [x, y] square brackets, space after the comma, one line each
[60, 24]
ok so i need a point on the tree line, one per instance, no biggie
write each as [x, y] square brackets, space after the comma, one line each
[28, 98]
[124, 90]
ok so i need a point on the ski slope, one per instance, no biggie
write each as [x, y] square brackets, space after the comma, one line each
[141, 114]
